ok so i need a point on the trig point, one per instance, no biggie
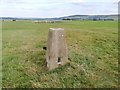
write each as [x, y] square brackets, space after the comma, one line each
[56, 54]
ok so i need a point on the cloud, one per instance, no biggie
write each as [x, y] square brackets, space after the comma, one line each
[56, 8]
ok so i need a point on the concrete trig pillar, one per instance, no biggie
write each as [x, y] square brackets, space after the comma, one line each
[56, 54]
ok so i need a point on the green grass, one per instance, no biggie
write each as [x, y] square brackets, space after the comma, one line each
[0, 54]
[92, 51]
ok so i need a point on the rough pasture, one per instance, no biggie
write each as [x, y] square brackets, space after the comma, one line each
[92, 51]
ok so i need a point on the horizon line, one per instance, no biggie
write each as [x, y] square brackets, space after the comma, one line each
[58, 16]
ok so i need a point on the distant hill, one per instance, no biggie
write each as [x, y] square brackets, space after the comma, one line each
[72, 17]
[91, 17]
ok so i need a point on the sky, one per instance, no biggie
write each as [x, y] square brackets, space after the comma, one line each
[56, 8]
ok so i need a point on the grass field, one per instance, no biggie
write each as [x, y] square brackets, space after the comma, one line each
[92, 51]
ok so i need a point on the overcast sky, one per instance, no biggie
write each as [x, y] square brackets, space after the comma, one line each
[56, 8]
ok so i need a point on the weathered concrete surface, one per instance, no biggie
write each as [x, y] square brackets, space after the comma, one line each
[56, 53]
